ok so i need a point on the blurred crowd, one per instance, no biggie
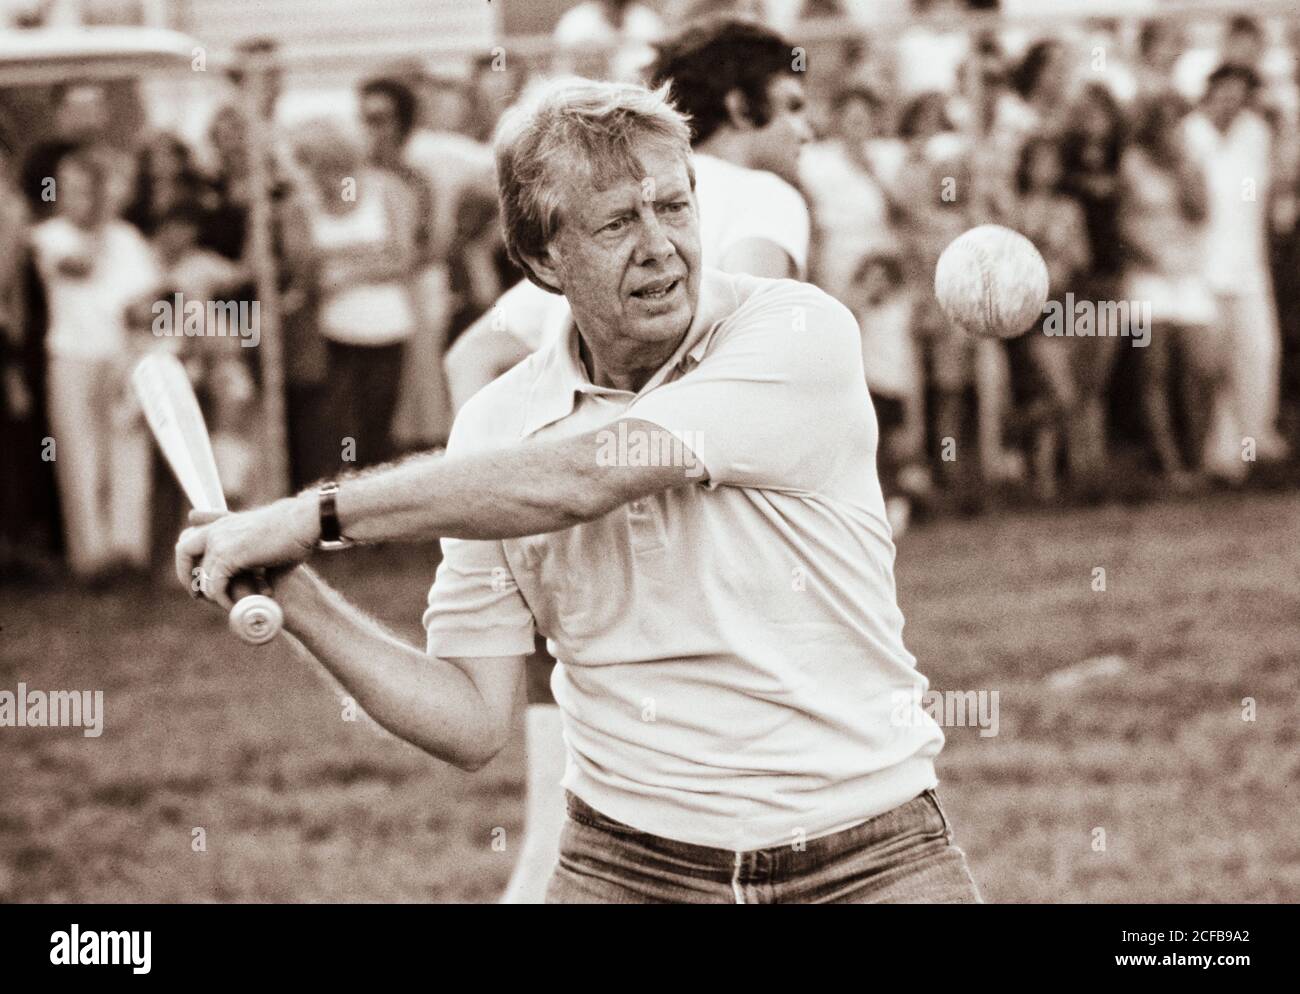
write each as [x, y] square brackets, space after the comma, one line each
[1176, 198]
[1160, 187]
[384, 245]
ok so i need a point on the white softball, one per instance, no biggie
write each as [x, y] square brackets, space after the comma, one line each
[991, 281]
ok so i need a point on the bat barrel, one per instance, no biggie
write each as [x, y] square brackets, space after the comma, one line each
[167, 399]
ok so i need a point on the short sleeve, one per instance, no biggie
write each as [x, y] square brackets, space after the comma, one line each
[530, 314]
[474, 606]
[769, 403]
[779, 215]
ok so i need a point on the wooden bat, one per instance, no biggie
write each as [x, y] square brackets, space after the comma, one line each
[167, 397]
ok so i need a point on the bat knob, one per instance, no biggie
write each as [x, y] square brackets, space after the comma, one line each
[256, 619]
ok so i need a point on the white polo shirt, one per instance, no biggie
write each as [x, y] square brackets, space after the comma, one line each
[735, 204]
[730, 652]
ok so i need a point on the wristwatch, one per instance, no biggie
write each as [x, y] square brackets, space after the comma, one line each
[331, 535]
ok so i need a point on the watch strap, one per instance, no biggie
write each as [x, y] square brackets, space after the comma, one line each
[331, 531]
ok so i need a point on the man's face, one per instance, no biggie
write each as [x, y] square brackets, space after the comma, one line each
[628, 259]
[382, 132]
[776, 145]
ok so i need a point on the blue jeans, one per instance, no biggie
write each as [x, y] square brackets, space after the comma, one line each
[905, 856]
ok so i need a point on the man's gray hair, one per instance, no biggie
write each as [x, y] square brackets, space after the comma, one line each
[575, 127]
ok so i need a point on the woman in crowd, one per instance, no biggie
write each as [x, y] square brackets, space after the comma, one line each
[849, 207]
[423, 417]
[362, 224]
[932, 207]
[95, 268]
[1090, 153]
[1047, 397]
[879, 298]
[1162, 220]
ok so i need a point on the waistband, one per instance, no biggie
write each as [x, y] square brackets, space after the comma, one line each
[921, 812]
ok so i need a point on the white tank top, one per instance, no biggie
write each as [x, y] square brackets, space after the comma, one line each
[365, 313]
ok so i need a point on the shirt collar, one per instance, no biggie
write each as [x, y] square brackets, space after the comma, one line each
[562, 375]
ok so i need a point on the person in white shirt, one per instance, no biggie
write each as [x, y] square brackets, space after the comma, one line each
[930, 58]
[1234, 146]
[363, 229]
[736, 80]
[95, 268]
[743, 720]
[849, 204]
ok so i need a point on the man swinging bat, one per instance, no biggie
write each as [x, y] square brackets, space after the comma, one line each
[726, 623]
[741, 85]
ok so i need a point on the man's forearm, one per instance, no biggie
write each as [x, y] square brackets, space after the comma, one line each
[424, 700]
[527, 489]
[530, 488]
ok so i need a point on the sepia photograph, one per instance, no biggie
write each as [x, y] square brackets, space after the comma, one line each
[650, 452]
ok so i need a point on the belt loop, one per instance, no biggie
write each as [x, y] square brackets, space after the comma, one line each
[736, 887]
[934, 799]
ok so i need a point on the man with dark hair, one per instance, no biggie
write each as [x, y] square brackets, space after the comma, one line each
[740, 85]
[1232, 72]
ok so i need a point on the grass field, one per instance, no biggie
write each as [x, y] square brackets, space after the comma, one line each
[1202, 604]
